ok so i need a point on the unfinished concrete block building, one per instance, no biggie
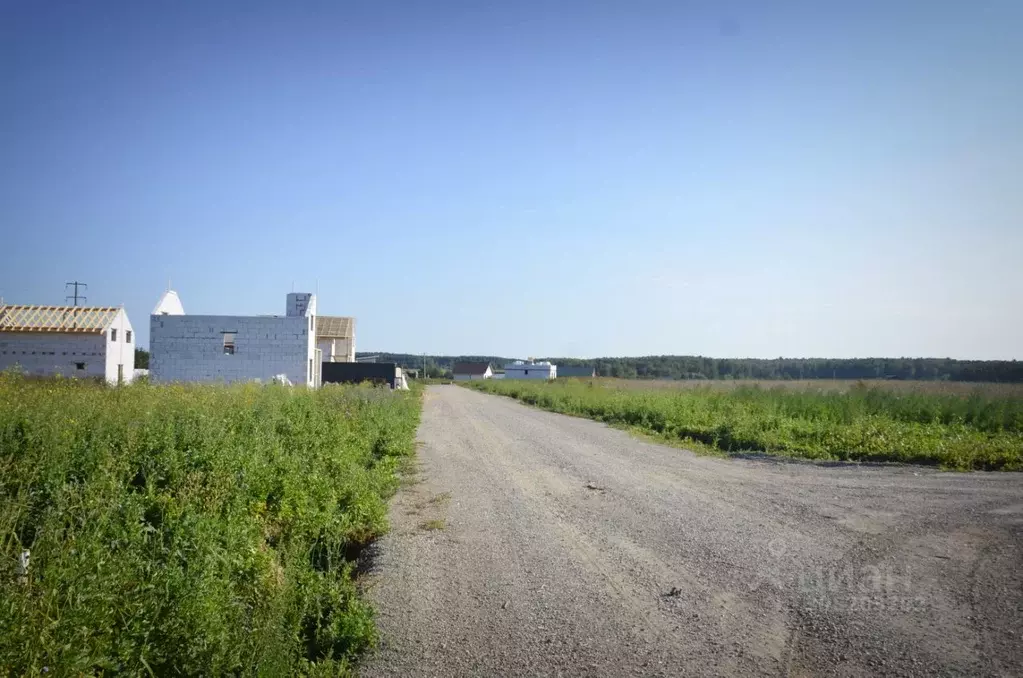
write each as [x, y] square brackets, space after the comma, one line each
[230, 348]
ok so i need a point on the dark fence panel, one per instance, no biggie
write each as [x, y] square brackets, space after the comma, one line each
[355, 373]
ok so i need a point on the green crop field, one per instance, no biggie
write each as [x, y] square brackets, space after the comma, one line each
[191, 530]
[918, 422]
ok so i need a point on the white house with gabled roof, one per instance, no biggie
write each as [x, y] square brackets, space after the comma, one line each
[73, 341]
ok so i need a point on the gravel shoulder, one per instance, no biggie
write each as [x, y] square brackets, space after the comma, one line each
[532, 543]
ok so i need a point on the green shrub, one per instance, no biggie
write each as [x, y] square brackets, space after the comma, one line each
[190, 529]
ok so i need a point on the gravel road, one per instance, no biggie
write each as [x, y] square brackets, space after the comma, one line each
[533, 543]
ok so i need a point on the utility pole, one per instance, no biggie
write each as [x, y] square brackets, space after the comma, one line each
[75, 297]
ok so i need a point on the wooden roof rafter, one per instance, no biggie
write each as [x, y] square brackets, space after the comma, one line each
[72, 319]
[334, 327]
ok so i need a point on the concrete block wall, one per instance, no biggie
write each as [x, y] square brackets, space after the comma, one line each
[46, 353]
[300, 303]
[337, 350]
[191, 348]
[326, 349]
[345, 350]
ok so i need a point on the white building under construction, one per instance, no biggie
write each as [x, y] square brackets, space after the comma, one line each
[72, 341]
[230, 348]
[335, 337]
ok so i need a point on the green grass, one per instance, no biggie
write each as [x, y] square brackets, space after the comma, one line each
[430, 525]
[955, 431]
[191, 530]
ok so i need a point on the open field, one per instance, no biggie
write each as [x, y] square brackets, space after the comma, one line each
[914, 422]
[957, 388]
[193, 530]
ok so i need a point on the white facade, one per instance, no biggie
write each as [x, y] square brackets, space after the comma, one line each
[337, 350]
[226, 348]
[120, 350]
[530, 370]
[107, 354]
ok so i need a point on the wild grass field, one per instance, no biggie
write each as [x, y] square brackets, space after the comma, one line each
[190, 530]
[980, 428]
[898, 386]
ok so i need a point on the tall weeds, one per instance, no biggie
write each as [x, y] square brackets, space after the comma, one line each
[193, 530]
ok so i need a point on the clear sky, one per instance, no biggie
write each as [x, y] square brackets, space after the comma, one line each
[735, 178]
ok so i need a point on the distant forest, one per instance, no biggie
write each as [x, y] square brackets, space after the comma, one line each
[698, 367]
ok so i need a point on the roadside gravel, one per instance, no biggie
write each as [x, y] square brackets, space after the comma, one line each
[533, 543]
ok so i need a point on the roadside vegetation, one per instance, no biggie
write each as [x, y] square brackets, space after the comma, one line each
[191, 530]
[861, 422]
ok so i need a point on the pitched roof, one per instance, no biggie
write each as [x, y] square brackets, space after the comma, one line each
[169, 304]
[334, 327]
[470, 368]
[80, 319]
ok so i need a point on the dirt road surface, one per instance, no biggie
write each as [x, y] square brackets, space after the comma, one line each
[539, 544]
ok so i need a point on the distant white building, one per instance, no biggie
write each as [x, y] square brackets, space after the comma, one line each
[530, 370]
[73, 341]
[466, 371]
[229, 348]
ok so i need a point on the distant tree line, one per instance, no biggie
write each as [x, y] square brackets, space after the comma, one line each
[700, 367]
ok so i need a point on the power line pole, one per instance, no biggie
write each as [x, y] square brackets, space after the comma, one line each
[75, 296]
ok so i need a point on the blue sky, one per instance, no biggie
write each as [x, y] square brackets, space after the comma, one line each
[723, 178]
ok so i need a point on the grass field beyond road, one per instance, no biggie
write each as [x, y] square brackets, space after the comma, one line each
[858, 422]
[190, 530]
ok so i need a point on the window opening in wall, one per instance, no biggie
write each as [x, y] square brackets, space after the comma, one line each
[229, 343]
[113, 334]
[527, 371]
[127, 336]
[79, 366]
